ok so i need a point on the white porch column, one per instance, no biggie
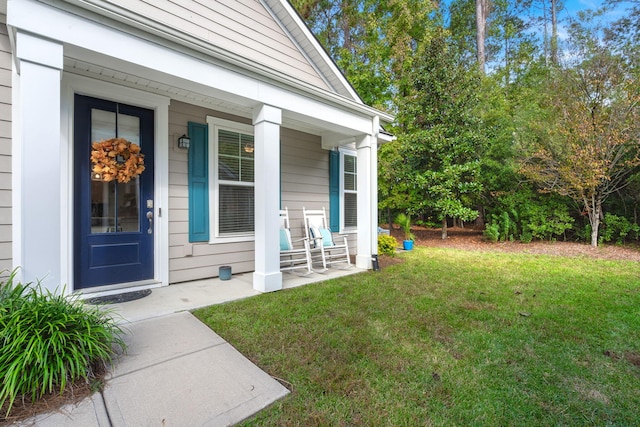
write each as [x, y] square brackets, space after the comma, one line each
[367, 201]
[37, 145]
[266, 121]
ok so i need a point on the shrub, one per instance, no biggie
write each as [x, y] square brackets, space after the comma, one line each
[49, 341]
[507, 226]
[387, 245]
[617, 228]
[492, 232]
[526, 237]
[528, 216]
[547, 222]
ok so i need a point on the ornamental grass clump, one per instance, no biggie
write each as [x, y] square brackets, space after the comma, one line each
[50, 341]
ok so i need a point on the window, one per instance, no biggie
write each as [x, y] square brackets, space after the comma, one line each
[232, 171]
[348, 190]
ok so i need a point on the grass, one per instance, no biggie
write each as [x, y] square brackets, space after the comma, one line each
[450, 338]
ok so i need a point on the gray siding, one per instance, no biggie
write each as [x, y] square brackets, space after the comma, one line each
[242, 27]
[304, 181]
[6, 260]
[304, 176]
[193, 261]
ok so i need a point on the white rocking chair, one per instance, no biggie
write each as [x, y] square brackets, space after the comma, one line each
[323, 247]
[292, 258]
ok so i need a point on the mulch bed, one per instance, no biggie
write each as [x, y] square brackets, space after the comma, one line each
[23, 409]
[74, 393]
[472, 239]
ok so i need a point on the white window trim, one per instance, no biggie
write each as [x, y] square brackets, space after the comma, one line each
[214, 124]
[353, 153]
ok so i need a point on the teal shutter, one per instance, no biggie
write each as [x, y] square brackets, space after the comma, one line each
[334, 191]
[198, 183]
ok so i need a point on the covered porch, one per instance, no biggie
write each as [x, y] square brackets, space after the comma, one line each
[180, 79]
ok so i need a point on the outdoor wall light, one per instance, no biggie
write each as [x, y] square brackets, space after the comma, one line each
[184, 142]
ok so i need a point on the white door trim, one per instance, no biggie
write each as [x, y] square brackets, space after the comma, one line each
[73, 84]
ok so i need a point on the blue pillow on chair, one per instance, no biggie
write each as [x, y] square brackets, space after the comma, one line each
[327, 239]
[285, 240]
[319, 233]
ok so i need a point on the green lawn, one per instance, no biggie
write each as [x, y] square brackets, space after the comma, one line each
[450, 337]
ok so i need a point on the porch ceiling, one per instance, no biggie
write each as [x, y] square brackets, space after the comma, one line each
[290, 119]
[86, 69]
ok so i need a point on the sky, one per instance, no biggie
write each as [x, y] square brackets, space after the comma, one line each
[573, 7]
[570, 8]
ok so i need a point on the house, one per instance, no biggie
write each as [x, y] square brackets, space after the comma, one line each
[267, 117]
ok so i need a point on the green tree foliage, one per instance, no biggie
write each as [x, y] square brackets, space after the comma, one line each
[369, 40]
[440, 141]
[395, 193]
[462, 136]
[596, 145]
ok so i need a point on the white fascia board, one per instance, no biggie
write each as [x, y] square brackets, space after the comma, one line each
[385, 137]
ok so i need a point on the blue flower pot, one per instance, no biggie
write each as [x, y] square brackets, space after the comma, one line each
[407, 245]
[225, 272]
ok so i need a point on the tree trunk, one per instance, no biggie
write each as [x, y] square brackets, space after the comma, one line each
[594, 219]
[554, 32]
[481, 21]
[545, 33]
[444, 228]
[594, 232]
[479, 221]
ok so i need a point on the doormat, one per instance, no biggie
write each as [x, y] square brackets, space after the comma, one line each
[118, 298]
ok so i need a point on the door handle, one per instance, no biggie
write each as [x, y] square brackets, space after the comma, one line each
[150, 218]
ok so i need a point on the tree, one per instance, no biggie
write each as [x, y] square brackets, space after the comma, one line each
[440, 137]
[595, 144]
[394, 193]
[369, 40]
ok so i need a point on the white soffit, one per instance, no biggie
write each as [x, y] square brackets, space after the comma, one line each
[86, 69]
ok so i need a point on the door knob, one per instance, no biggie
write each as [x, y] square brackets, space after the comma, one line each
[150, 218]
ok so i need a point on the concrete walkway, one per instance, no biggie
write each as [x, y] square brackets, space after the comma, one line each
[177, 371]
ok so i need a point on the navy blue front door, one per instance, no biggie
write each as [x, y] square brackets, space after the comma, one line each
[113, 227]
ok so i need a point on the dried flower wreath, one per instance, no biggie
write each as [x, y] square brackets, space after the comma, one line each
[116, 158]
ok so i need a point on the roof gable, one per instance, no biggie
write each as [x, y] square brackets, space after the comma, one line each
[268, 33]
[312, 48]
